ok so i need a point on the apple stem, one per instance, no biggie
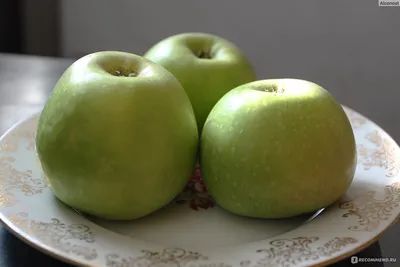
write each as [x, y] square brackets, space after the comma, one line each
[204, 54]
[275, 89]
[121, 74]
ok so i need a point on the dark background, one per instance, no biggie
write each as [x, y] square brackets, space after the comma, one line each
[30, 27]
[349, 47]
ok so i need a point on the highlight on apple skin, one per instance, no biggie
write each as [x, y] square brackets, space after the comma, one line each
[277, 148]
[117, 138]
[207, 66]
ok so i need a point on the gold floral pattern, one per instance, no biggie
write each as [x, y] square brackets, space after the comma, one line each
[385, 154]
[171, 257]
[9, 146]
[27, 135]
[371, 211]
[30, 136]
[281, 252]
[291, 252]
[12, 180]
[213, 264]
[357, 121]
[20, 219]
[58, 235]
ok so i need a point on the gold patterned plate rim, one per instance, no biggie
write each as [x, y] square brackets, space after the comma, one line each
[369, 208]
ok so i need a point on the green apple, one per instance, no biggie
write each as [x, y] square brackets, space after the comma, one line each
[277, 148]
[117, 138]
[207, 66]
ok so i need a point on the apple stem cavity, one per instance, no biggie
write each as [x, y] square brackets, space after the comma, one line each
[204, 54]
[124, 74]
[274, 89]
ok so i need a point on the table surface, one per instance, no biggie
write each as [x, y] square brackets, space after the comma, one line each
[25, 84]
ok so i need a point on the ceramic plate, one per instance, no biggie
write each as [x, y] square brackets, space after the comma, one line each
[192, 231]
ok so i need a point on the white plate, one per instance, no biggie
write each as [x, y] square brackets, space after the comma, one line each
[180, 235]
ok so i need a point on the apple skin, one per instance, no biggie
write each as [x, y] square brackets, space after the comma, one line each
[277, 148]
[117, 147]
[205, 80]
